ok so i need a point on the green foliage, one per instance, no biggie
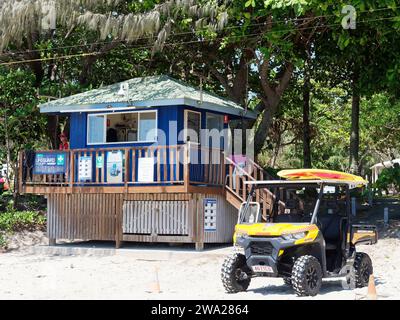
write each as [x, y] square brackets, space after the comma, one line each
[330, 123]
[21, 124]
[13, 221]
[238, 33]
[389, 177]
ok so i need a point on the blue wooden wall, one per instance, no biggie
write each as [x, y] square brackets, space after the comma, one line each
[166, 115]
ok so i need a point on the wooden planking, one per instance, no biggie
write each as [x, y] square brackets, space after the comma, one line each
[83, 216]
[156, 217]
[166, 217]
[147, 238]
[103, 189]
[158, 196]
[226, 220]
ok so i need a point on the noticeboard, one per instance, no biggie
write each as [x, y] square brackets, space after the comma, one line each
[114, 166]
[146, 169]
[85, 168]
[99, 162]
[210, 214]
[50, 163]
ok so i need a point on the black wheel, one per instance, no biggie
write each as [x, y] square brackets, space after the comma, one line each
[287, 281]
[235, 273]
[306, 276]
[362, 269]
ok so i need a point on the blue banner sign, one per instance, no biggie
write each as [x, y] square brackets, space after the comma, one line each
[50, 163]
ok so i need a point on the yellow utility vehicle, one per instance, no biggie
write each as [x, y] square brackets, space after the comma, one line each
[307, 237]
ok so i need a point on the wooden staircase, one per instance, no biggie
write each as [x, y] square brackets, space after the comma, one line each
[237, 191]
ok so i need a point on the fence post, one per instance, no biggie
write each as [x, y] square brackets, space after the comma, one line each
[223, 169]
[186, 161]
[126, 175]
[353, 206]
[20, 169]
[71, 168]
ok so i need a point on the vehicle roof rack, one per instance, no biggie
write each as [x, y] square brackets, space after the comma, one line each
[276, 183]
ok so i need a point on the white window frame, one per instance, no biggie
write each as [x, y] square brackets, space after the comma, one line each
[221, 116]
[185, 122]
[122, 142]
[208, 114]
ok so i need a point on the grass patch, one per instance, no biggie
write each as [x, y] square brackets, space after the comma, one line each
[14, 221]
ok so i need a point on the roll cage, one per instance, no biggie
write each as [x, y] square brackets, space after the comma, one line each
[320, 184]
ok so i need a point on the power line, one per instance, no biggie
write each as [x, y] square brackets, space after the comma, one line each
[94, 53]
[189, 32]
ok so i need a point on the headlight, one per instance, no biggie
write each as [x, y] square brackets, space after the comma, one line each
[294, 236]
[240, 236]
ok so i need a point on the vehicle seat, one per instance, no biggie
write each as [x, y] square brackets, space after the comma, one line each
[292, 212]
[287, 217]
[292, 206]
[331, 228]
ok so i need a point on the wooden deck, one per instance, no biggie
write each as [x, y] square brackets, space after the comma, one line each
[177, 169]
[169, 209]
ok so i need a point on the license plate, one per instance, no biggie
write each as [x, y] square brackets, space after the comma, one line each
[267, 269]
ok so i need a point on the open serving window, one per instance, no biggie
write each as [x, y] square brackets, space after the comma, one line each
[107, 128]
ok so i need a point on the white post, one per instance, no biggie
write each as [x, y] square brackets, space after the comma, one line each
[370, 196]
[386, 216]
[353, 206]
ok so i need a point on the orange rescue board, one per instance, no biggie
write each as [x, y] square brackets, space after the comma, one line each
[319, 174]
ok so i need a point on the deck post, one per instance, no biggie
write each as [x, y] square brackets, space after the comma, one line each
[71, 168]
[186, 161]
[118, 220]
[199, 224]
[20, 170]
[199, 246]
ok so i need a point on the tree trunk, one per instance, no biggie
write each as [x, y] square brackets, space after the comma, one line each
[52, 130]
[264, 126]
[306, 122]
[276, 151]
[8, 149]
[355, 127]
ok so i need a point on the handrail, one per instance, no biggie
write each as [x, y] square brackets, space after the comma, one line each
[264, 196]
[237, 167]
[172, 166]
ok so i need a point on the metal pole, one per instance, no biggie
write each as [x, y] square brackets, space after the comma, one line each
[246, 207]
[316, 208]
[353, 206]
[386, 216]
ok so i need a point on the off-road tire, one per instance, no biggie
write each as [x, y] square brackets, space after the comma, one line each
[287, 281]
[362, 269]
[231, 268]
[306, 276]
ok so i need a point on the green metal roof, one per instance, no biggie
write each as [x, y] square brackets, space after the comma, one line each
[145, 92]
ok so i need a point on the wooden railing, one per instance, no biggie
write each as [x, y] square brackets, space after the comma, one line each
[173, 165]
[235, 184]
[207, 165]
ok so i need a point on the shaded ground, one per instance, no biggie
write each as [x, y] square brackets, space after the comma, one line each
[95, 270]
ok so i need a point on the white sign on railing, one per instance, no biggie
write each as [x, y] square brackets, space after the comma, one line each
[114, 166]
[85, 168]
[146, 169]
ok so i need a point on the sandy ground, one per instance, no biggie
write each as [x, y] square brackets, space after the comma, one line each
[95, 270]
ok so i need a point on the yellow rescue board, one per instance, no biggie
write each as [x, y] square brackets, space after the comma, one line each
[320, 174]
